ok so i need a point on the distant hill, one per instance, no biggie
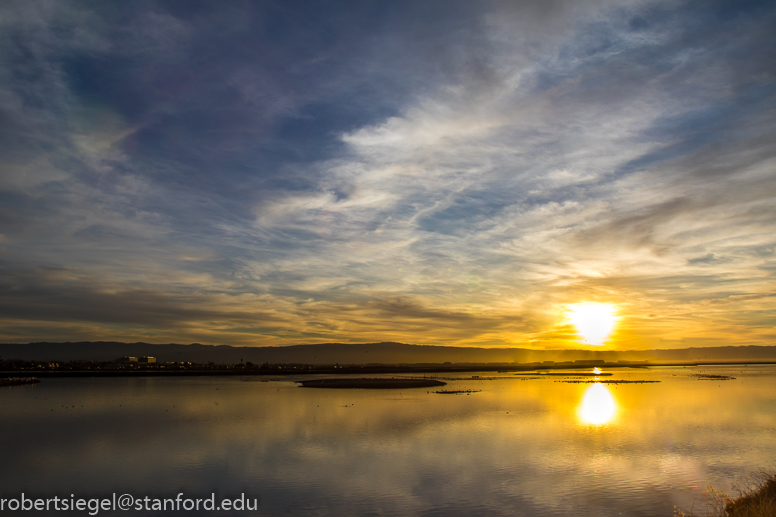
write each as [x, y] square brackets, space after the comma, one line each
[385, 353]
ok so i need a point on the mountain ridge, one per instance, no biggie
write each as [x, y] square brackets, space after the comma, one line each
[362, 353]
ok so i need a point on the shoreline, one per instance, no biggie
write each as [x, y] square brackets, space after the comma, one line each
[18, 381]
[284, 370]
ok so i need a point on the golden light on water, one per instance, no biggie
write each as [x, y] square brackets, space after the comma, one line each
[598, 405]
[593, 321]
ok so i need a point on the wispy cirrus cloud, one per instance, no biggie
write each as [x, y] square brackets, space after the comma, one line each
[443, 173]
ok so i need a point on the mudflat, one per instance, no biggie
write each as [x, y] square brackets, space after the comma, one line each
[371, 384]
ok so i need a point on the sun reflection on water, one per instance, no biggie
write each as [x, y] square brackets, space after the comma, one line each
[598, 406]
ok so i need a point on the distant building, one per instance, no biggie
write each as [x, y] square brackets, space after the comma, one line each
[126, 360]
[590, 362]
[147, 360]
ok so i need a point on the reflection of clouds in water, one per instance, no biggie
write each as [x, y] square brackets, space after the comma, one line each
[598, 405]
[406, 452]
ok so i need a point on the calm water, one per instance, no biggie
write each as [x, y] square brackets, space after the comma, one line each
[517, 447]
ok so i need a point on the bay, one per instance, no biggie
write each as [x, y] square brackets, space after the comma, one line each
[518, 445]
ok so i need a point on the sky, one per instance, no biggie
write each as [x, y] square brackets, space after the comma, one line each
[435, 172]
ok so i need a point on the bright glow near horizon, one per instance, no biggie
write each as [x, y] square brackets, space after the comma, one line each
[593, 321]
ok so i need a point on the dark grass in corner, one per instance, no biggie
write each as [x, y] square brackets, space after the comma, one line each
[756, 498]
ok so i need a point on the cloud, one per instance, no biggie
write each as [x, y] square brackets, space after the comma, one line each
[446, 173]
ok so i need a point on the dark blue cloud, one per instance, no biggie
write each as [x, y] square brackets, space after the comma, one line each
[264, 156]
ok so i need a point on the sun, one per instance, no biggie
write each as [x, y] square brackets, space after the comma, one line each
[594, 321]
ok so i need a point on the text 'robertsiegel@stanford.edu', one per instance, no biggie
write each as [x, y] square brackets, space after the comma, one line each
[95, 505]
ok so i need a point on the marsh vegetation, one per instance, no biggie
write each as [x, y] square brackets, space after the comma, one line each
[756, 498]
